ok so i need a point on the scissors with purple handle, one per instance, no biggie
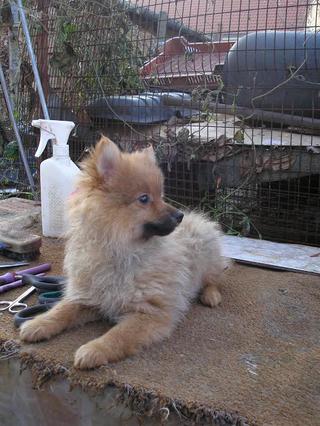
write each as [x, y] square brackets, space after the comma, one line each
[9, 277]
[48, 287]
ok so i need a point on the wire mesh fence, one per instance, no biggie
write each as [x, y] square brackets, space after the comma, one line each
[227, 92]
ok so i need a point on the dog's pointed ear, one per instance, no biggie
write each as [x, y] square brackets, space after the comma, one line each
[150, 154]
[108, 156]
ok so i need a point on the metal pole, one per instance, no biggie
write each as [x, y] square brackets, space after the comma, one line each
[16, 130]
[33, 60]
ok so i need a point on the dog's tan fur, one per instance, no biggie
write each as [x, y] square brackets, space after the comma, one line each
[143, 285]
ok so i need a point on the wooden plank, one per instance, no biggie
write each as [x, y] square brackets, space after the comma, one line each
[288, 257]
[267, 137]
[264, 137]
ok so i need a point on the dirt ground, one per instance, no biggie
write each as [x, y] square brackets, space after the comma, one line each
[253, 360]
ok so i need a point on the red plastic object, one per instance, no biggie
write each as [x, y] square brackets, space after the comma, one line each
[183, 65]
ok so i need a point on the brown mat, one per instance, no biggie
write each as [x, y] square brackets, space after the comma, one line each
[253, 360]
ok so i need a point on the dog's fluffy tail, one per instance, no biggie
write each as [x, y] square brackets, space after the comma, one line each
[204, 237]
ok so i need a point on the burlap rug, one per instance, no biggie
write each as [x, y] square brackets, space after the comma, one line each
[253, 360]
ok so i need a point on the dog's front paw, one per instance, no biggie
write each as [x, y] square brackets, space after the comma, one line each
[90, 355]
[35, 330]
[210, 296]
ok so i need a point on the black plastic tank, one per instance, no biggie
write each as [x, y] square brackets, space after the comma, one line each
[275, 71]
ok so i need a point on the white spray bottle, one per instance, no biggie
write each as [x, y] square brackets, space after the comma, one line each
[57, 175]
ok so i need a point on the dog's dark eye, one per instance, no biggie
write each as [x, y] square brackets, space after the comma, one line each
[144, 199]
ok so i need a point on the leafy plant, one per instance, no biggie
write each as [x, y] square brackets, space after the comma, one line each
[234, 219]
[94, 50]
[11, 151]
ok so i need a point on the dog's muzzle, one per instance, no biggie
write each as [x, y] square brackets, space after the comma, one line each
[164, 226]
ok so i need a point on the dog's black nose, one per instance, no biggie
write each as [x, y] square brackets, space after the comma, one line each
[178, 215]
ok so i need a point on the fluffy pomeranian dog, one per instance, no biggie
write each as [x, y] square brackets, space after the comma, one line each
[130, 258]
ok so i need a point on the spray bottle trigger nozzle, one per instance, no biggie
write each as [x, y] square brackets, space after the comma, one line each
[56, 130]
[44, 138]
